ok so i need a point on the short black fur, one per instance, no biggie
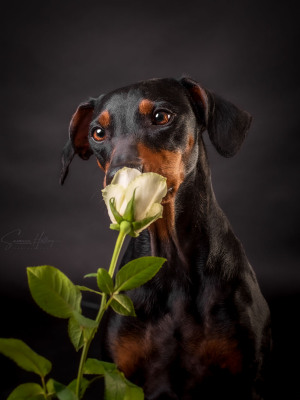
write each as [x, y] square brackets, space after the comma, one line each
[203, 327]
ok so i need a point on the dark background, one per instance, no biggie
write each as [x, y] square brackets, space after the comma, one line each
[55, 55]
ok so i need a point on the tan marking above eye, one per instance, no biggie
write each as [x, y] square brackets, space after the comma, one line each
[104, 119]
[146, 107]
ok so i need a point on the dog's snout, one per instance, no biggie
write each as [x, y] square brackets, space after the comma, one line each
[125, 154]
[110, 174]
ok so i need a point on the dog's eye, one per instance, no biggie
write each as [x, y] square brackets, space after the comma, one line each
[98, 134]
[161, 117]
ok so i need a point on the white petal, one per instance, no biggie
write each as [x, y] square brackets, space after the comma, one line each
[124, 176]
[155, 211]
[118, 193]
[150, 189]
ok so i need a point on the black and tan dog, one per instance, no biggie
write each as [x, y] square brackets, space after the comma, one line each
[203, 328]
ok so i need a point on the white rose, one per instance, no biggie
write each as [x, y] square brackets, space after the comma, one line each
[135, 197]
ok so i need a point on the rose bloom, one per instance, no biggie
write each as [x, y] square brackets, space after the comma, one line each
[148, 190]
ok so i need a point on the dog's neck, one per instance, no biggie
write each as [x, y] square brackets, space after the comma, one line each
[194, 230]
[164, 236]
[186, 219]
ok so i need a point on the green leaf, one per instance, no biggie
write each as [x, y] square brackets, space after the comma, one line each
[25, 357]
[104, 281]
[63, 392]
[137, 272]
[86, 289]
[87, 333]
[53, 291]
[80, 328]
[123, 305]
[93, 366]
[133, 392]
[27, 391]
[91, 275]
[84, 321]
[50, 387]
[115, 386]
[75, 331]
[84, 385]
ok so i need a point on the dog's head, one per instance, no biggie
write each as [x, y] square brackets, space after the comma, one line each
[156, 126]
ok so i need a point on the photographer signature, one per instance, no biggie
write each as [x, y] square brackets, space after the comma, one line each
[14, 241]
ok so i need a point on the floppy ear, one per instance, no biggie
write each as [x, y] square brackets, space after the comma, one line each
[78, 137]
[226, 124]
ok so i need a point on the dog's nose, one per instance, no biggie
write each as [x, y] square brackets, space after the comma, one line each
[125, 154]
[114, 169]
[110, 174]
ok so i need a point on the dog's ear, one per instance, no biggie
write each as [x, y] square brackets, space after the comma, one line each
[78, 137]
[226, 124]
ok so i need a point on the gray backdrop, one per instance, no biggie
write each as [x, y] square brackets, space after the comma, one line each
[57, 54]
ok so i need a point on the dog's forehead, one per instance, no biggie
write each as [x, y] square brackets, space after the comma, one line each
[142, 94]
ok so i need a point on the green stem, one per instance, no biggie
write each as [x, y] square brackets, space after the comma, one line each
[124, 229]
[44, 387]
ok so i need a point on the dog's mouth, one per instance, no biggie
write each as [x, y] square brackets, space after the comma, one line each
[169, 196]
[113, 169]
[140, 167]
[170, 189]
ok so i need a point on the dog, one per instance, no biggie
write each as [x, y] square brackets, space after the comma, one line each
[202, 329]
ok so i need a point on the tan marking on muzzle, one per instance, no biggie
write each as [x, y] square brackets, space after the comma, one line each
[170, 165]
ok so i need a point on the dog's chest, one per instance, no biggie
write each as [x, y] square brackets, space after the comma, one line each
[175, 341]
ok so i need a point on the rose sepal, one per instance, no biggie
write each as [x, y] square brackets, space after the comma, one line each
[114, 227]
[129, 212]
[115, 212]
[139, 225]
